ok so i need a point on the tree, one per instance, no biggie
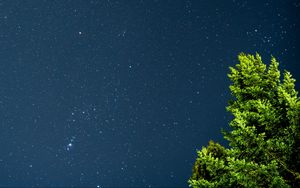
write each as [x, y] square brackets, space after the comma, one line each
[265, 131]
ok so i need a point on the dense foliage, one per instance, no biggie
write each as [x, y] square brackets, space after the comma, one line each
[265, 132]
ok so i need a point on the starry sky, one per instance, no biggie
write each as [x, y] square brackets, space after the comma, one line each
[106, 93]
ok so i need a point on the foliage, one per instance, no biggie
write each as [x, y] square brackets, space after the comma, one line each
[265, 134]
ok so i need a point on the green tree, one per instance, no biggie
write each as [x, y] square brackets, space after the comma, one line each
[265, 131]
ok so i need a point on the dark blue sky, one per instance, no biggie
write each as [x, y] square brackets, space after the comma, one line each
[122, 93]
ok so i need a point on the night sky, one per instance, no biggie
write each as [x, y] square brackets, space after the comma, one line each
[122, 93]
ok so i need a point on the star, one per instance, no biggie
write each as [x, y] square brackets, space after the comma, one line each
[69, 146]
